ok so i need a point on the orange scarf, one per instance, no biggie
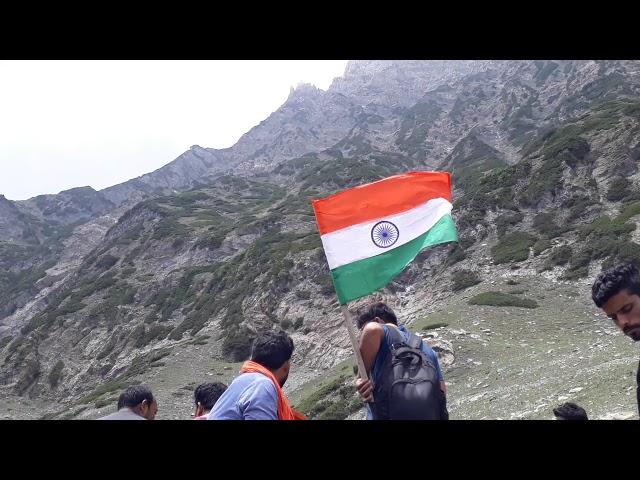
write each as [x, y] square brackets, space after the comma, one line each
[285, 412]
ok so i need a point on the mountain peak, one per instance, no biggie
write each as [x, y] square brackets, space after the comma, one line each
[400, 83]
[304, 90]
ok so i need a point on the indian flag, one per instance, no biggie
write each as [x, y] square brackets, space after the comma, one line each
[370, 233]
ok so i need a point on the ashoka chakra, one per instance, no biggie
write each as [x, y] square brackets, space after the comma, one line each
[384, 234]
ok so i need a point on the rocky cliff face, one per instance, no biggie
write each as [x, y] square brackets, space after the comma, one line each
[160, 277]
[68, 207]
[14, 224]
[194, 167]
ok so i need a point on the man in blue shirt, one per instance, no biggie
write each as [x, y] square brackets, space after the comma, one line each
[375, 341]
[253, 395]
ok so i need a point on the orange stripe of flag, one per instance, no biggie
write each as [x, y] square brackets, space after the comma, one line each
[379, 199]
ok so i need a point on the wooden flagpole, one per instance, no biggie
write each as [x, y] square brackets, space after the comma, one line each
[362, 372]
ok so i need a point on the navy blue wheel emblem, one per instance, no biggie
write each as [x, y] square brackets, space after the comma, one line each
[384, 234]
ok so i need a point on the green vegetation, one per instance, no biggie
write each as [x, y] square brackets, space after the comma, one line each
[73, 414]
[56, 374]
[577, 206]
[139, 366]
[296, 165]
[107, 387]
[470, 158]
[326, 284]
[559, 148]
[103, 403]
[577, 270]
[200, 340]
[520, 123]
[130, 235]
[513, 247]
[303, 294]
[540, 246]
[456, 254]
[545, 180]
[559, 256]
[122, 294]
[105, 262]
[211, 242]
[464, 279]
[286, 324]
[73, 301]
[545, 224]
[500, 299]
[491, 191]
[333, 400]
[415, 126]
[605, 238]
[14, 284]
[433, 326]
[237, 343]
[348, 172]
[167, 301]
[170, 227]
[618, 189]
[71, 306]
[628, 211]
[186, 199]
[503, 222]
[145, 336]
[28, 375]
[127, 272]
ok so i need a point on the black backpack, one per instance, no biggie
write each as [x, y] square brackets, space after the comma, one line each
[408, 387]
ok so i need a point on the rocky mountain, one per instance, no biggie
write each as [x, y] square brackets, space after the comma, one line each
[14, 224]
[167, 278]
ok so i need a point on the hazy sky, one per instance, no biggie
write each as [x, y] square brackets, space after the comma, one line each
[66, 124]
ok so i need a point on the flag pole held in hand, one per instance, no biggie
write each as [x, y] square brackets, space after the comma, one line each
[362, 371]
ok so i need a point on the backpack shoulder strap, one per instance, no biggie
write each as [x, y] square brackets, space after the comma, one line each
[414, 341]
[395, 336]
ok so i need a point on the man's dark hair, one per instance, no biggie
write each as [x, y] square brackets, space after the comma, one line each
[272, 349]
[380, 310]
[613, 281]
[208, 394]
[570, 411]
[134, 396]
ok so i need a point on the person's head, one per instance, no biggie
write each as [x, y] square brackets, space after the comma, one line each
[206, 395]
[139, 400]
[273, 350]
[617, 292]
[570, 411]
[378, 312]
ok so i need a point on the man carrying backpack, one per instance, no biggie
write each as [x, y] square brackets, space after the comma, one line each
[406, 379]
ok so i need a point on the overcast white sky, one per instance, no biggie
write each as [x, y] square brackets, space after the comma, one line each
[66, 124]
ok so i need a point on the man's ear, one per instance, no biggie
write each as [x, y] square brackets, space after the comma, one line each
[286, 366]
[142, 407]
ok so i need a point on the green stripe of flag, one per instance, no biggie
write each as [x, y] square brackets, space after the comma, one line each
[363, 277]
